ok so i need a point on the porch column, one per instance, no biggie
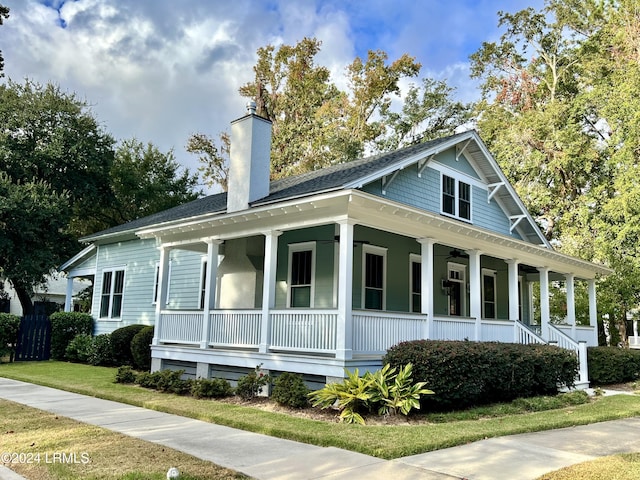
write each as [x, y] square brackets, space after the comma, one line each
[213, 247]
[571, 303]
[514, 300]
[68, 299]
[163, 279]
[268, 287]
[475, 292]
[426, 282]
[545, 313]
[344, 328]
[593, 311]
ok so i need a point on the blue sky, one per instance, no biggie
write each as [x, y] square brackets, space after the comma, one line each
[160, 70]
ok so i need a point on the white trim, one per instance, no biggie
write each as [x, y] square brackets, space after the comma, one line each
[201, 282]
[414, 258]
[302, 247]
[382, 252]
[113, 270]
[458, 175]
[456, 200]
[486, 272]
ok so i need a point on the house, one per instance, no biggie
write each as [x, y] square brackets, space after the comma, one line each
[326, 270]
[50, 296]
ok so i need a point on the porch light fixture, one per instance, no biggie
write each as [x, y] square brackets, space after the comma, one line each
[446, 286]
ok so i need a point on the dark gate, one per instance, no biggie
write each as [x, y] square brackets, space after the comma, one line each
[34, 338]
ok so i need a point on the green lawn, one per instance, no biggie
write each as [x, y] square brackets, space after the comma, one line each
[382, 441]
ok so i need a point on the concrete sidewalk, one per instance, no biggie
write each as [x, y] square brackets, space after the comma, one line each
[521, 457]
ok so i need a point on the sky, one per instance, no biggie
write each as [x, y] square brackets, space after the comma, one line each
[161, 70]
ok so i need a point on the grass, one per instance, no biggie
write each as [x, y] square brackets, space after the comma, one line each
[54, 447]
[616, 467]
[383, 441]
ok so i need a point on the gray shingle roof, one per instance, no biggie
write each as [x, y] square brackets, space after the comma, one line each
[334, 177]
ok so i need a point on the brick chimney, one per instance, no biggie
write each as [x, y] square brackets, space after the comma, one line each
[249, 166]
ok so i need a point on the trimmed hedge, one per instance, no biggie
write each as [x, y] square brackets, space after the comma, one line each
[141, 348]
[9, 326]
[64, 328]
[121, 344]
[464, 374]
[609, 365]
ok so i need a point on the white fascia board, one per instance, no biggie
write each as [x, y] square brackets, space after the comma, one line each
[78, 258]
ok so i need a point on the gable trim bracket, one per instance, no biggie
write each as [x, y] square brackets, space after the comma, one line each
[493, 189]
[387, 180]
[422, 164]
[460, 150]
[516, 219]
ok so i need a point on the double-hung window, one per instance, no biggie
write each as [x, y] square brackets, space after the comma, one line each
[374, 274]
[301, 274]
[111, 293]
[456, 198]
[416, 283]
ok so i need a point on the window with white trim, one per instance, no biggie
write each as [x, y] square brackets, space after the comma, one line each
[488, 293]
[415, 280]
[374, 267]
[457, 289]
[156, 283]
[203, 283]
[456, 198]
[112, 293]
[301, 275]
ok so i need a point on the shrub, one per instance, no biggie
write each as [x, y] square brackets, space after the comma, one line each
[211, 388]
[289, 390]
[251, 385]
[168, 381]
[121, 343]
[609, 365]
[64, 327]
[79, 348]
[463, 374]
[101, 351]
[9, 326]
[384, 392]
[542, 403]
[125, 374]
[141, 348]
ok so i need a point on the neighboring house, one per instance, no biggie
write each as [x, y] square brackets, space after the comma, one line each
[49, 296]
[326, 270]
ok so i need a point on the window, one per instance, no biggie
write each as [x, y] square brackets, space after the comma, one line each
[301, 275]
[488, 293]
[203, 283]
[374, 260]
[111, 294]
[156, 283]
[457, 289]
[416, 283]
[456, 198]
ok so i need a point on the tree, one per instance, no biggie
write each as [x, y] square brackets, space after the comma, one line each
[214, 160]
[144, 181]
[4, 13]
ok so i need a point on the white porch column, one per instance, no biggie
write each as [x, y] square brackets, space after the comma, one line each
[475, 292]
[426, 281]
[211, 274]
[68, 299]
[571, 303]
[545, 312]
[514, 300]
[593, 311]
[163, 279]
[268, 287]
[344, 340]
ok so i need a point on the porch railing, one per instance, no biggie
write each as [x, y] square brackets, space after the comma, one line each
[526, 335]
[312, 331]
[634, 341]
[375, 332]
[234, 328]
[452, 328]
[583, 333]
[496, 331]
[563, 340]
[181, 326]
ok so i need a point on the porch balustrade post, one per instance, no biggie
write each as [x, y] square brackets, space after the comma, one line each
[593, 311]
[545, 312]
[571, 303]
[68, 299]
[211, 274]
[426, 282]
[514, 300]
[268, 287]
[475, 292]
[344, 330]
[163, 280]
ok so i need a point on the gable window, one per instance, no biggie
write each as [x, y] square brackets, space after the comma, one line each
[416, 283]
[488, 293]
[112, 293]
[374, 274]
[456, 198]
[301, 275]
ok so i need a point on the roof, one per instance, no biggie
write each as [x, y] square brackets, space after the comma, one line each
[352, 174]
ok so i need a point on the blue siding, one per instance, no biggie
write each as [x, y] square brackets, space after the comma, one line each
[448, 158]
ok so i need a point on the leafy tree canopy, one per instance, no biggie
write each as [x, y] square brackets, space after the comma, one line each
[4, 13]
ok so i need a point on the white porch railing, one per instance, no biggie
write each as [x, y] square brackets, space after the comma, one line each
[452, 328]
[180, 327]
[234, 328]
[312, 331]
[634, 341]
[563, 340]
[496, 331]
[583, 333]
[375, 332]
[526, 335]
